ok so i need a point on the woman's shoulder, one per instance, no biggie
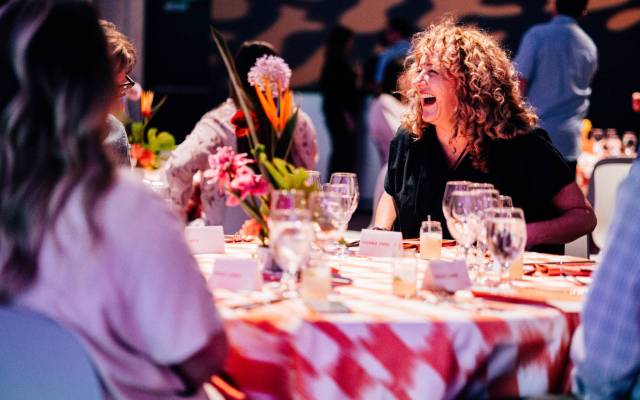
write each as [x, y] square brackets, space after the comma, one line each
[129, 199]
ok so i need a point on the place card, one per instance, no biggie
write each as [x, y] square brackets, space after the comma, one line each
[205, 239]
[235, 274]
[449, 276]
[375, 243]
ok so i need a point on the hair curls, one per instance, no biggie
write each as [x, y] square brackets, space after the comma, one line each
[489, 102]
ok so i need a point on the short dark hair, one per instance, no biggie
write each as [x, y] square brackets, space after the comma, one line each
[572, 8]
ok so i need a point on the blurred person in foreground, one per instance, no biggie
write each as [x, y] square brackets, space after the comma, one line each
[217, 128]
[467, 121]
[606, 348]
[556, 62]
[89, 247]
[123, 58]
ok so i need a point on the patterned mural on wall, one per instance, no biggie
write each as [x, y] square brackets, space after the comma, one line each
[298, 29]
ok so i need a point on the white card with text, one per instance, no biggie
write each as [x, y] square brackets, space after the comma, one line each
[235, 274]
[374, 243]
[205, 239]
[449, 276]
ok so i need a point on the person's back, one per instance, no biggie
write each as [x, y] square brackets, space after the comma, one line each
[91, 249]
[557, 61]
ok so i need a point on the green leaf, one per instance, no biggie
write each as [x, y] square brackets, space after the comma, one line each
[151, 138]
[136, 132]
[276, 178]
[165, 141]
[284, 144]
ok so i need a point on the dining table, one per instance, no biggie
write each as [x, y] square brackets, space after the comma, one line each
[366, 343]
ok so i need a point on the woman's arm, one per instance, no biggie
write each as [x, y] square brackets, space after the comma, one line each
[199, 368]
[386, 212]
[576, 219]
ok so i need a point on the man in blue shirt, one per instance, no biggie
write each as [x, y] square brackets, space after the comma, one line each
[606, 349]
[557, 61]
[397, 35]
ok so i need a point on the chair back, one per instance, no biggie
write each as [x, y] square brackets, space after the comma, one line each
[607, 175]
[377, 191]
[41, 360]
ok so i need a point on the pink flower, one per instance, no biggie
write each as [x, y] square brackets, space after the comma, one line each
[247, 183]
[272, 68]
[224, 164]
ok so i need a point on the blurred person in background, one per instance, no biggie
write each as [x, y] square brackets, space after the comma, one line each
[341, 99]
[123, 58]
[86, 245]
[386, 111]
[215, 129]
[556, 62]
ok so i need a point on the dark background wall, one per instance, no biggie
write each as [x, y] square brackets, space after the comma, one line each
[181, 61]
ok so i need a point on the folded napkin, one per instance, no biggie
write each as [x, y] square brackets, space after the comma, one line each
[563, 269]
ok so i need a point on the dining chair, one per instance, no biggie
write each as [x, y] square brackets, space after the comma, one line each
[41, 360]
[607, 175]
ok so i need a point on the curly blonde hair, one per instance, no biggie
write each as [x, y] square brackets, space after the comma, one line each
[489, 102]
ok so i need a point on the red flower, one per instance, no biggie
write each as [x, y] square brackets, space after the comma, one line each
[240, 122]
[145, 157]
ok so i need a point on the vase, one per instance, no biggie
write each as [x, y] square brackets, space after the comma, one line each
[271, 271]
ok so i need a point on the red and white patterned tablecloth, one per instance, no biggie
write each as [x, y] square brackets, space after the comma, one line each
[387, 347]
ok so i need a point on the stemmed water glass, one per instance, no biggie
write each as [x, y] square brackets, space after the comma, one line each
[451, 187]
[465, 218]
[505, 202]
[351, 180]
[329, 211]
[290, 236]
[487, 199]
[507, 237]
[287, 199]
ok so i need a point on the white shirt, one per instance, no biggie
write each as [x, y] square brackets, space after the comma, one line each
[135, 297]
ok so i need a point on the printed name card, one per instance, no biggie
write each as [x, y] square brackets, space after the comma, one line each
[449, 276]
[205, 239]
[235, 274]
[376, 243]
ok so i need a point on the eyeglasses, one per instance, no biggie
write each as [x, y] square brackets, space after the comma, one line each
[128, 84]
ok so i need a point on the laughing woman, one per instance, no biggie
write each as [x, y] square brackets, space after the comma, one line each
[467, 121]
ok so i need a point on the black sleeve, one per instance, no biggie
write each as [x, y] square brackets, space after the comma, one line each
[547, 170]
[396, 155]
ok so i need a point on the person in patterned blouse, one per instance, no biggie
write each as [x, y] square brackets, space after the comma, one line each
[215, 130]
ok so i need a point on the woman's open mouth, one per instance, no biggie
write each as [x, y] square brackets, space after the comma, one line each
[428, 99]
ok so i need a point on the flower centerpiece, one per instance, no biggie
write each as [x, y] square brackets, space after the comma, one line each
[233, 173]
[148, 147]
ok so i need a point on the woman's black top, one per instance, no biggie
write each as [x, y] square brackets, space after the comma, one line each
[527, 168]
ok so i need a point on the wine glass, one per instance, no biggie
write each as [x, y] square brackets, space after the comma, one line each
[507, 237]
[629, 143]
[480, 186]
[465, 215]
[451, 187]
[351, 180]
[313, 178]
[505, 202]
[329, 210]
[291, 245]
[487, 199]
[345, 194]
[287, 199]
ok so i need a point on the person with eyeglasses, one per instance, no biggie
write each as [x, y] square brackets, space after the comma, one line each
[123, 58]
